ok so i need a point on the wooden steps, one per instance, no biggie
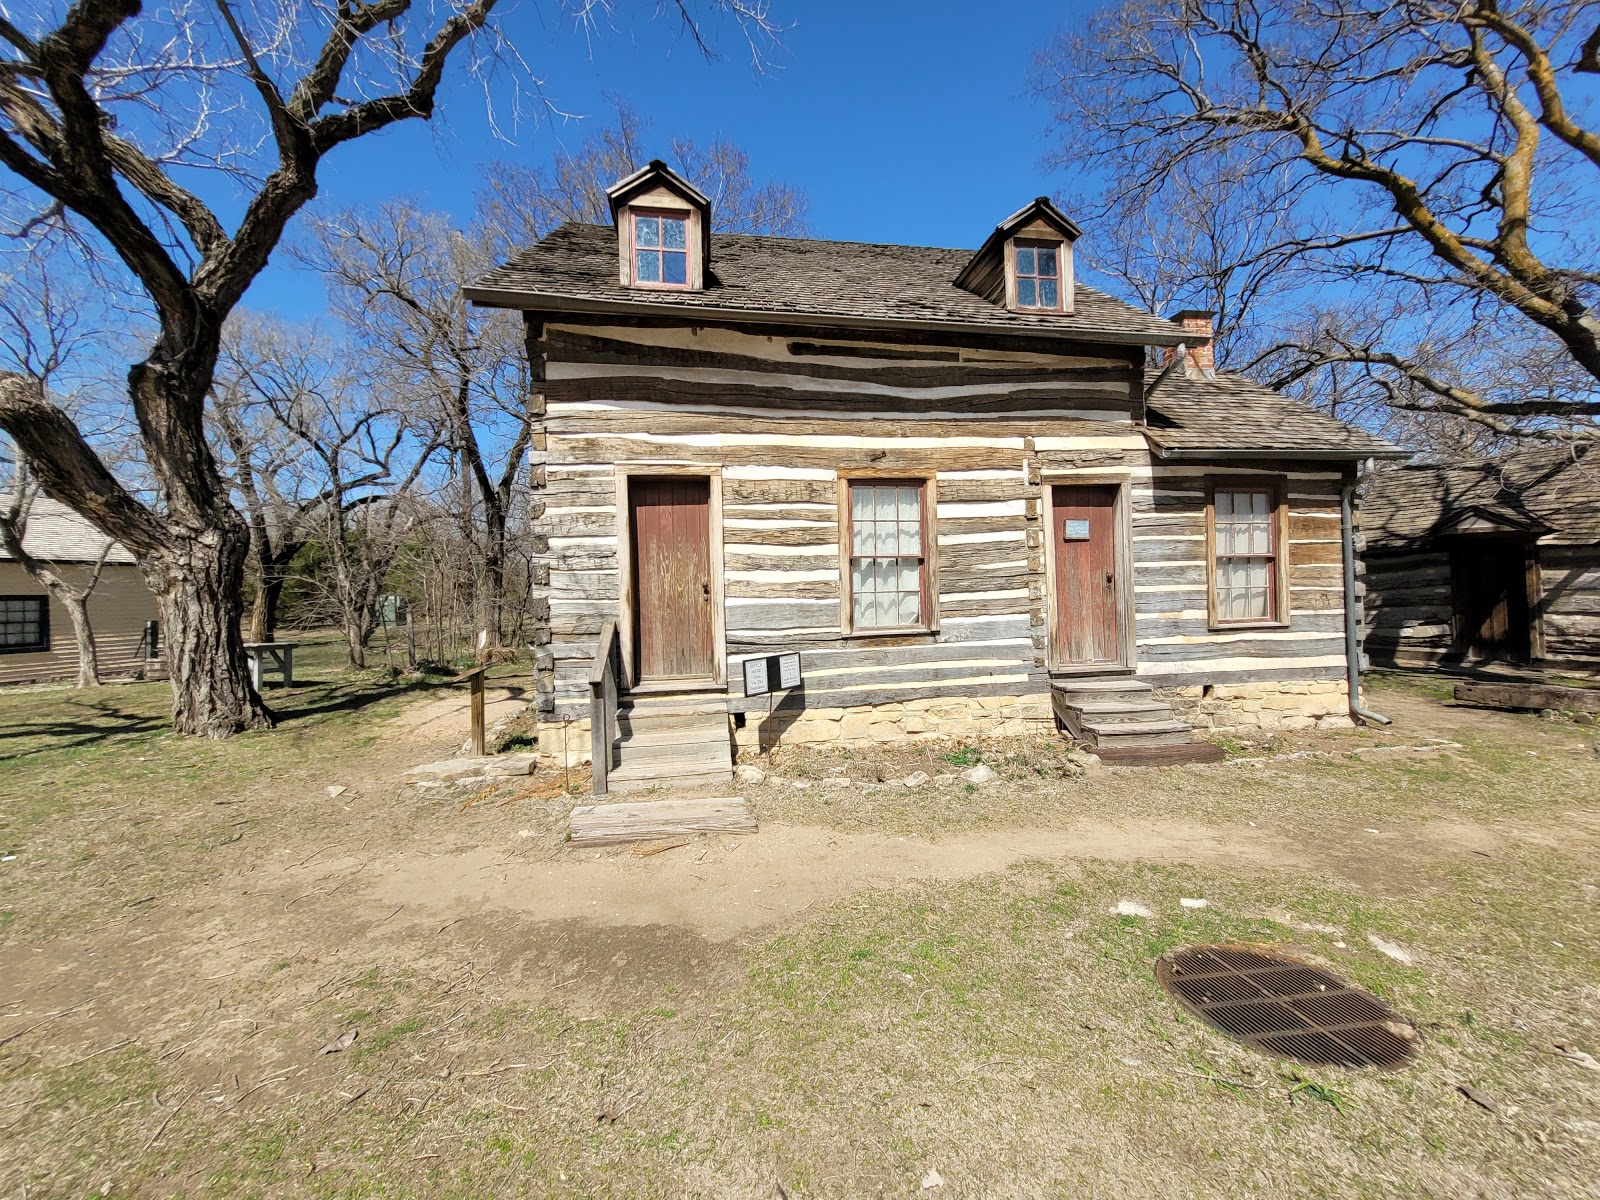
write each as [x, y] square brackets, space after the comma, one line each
[646, 820]
[1120, 719]
[676, 739]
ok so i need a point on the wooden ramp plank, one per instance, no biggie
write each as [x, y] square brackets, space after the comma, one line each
[643, 820]
[1528, 696]
[1159, 756]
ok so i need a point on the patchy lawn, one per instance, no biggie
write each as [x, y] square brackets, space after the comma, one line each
[884, 986]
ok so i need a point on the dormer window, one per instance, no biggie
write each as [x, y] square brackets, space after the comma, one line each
[1026, 263]
[660, 249]
[1038, 275]
[663, 230]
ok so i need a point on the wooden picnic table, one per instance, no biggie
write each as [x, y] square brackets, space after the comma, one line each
[271, 657]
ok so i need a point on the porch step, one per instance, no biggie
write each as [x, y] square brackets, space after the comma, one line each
[676, 739]
[1116, 712]
[1114, 690]
[1136, 733]
[1121, 716]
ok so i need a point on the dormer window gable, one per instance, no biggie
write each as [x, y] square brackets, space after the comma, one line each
[663, 228]
[1026, 263]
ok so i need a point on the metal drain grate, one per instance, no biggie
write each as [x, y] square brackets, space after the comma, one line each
[1287, 1008]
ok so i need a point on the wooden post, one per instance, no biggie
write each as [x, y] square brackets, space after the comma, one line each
[477, 714]
[474, 677]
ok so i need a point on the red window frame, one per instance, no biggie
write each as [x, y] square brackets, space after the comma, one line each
[653, 214]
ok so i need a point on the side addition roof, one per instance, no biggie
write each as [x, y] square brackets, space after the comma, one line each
[759, 278]
[57, 534]
[1554, 493]
[1227, 414]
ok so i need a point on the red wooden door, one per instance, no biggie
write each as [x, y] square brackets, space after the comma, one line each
[671, 528]
[1088, 626]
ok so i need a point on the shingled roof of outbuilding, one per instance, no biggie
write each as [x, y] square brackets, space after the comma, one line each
[574, 268]
[55, 533]
[1229, 414]
[1555, 492]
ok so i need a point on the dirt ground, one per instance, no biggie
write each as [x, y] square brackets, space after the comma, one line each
[879, 981]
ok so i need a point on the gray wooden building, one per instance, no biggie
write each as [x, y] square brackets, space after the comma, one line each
[971, 493]
[1493, 561]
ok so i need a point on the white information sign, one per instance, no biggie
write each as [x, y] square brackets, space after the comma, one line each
[788, 670]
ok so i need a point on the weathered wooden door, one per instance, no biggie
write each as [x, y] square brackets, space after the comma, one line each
[670, 521]
[1088, 600]
[1489, 587]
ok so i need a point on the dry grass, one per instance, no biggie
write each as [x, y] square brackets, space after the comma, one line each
[1005, 1031]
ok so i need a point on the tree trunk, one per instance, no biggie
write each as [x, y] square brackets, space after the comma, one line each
[260, 630]
[77, 607]
[198, 582]
[264, 608]
[494, 571]
[355, 643]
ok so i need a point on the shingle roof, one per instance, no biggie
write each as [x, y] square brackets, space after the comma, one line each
[55, 533]
[1556, 490]
[1233, 414]
[805, 277]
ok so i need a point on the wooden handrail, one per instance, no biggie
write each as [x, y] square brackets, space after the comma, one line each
[603, 703]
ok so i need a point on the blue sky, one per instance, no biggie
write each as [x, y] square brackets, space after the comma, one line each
[902, 121]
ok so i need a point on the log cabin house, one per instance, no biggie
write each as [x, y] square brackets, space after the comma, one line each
[36, 639]
[1486, 562]
[951, 481]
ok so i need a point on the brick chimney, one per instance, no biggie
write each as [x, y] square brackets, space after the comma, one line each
[1199, 360]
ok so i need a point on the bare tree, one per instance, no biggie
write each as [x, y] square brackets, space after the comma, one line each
[72, 595]
[46, 324]
[280, 487]
[325, 454]
[521, 203]
[107, 116]
[1420, 158]
[395, 276]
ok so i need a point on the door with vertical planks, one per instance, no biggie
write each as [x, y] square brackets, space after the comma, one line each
[1489, 590]
[670, 523]
[1088, 628]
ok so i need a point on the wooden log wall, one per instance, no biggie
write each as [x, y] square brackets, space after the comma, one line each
[1175, 645]
[782, 413]
[1409, 614]
[1410, 610]
[1570, 581]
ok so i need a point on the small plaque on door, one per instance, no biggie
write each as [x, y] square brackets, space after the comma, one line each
[1073, 530]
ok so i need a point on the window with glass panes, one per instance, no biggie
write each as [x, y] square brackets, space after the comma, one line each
[660, 249]
[1245, 541]
[1038, 275]
[24, 623]
[888, 560]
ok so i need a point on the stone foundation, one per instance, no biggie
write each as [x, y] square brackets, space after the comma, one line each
[1246, 707]
[1320, 704]
[867, 725]
[564, 743]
